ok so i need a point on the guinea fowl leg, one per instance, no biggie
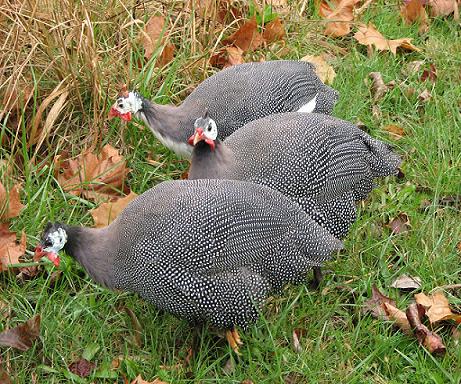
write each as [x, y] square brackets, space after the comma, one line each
[318, 276]
[233, 338]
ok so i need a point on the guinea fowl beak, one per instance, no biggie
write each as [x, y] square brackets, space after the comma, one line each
[198, 136]
[53, 257]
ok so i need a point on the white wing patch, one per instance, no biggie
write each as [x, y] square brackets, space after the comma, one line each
[310, 106]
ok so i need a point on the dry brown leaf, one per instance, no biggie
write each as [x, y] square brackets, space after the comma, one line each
[407, 282]
[395, 131]
[399, 317]
[82, 367]
[10, 249]
[97, 177]
[368, 35]
[154, 36]
[274, 31]
[247, 37]
[425, 96]
[324, 71]
[412, 67]
[22, 336]
[278, 6]
[378, 87]
[296, 344]
[430, 340]
[107, 212]
[227, 57]
[437, 307]
[430, 73]
[444, 8]
[10, 203]
[414, 11]
[375, 305]
[140, 380]
[341, 16]
[399, 224]
[4, 378]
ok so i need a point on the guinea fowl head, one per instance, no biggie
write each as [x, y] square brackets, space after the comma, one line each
[53, 239]
[205, 130]
[127, 104]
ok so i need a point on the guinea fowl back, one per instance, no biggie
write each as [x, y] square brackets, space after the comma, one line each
[205, 242]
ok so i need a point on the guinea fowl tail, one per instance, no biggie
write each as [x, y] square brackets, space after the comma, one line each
[326, 100]
[382, 159]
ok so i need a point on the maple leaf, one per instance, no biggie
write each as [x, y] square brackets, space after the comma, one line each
[444, 8]
[107, 212]
[227, 57]
[341, 16]
[152, 37]
[379, 88]
[97, 177]
[324, 71]
[399, 224]
[398, 317]
[274, 31]
[10, 250]
[247, 37]
[22, 336]
[10, 203]
[375, 305]
[413, 11]
[368, 35]
[437, 307]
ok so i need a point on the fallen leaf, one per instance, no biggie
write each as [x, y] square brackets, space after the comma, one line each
[296, 344]
[4, 378]
[82, 367]
[407, 282]
[324, 71]
[96, 177]
[430, 73]
[458, 246]
[140, 380]
[425, 96]
[375, 305]
[395, 131]
[274, 31]
[246, 381]
[368, 35]
[414, 11]
[278, 6]
[378, 87]
[399, 317]
[430, 340]
[227, 57]
[10, 249]
[22, 336]
[399, 224]
[437, 307]
[444, 8]
[341, 16]
[247, 37]
[152, 37]
[412, 67]
[455, 334]
[107, 212]
[10, 203]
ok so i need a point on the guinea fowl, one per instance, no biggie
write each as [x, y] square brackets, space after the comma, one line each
[233, 96]
[323, 163]
[204, 250]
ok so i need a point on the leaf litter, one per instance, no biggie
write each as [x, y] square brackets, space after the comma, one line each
[10, 202]
[22, 336]
[10, 249]
[435, 307]
[324, 71]
[107, 212]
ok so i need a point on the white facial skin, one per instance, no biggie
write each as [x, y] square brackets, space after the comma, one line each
[58, 239]
[132, 103]
[210, 130]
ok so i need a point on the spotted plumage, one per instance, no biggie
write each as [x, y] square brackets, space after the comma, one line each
[204, 250]
[323, 163]
[234, 97]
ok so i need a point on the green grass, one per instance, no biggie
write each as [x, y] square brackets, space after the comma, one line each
[339, 344]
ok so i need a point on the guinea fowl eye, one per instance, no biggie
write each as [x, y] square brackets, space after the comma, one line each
[48, 243]
[120, 105]
[209, 128]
